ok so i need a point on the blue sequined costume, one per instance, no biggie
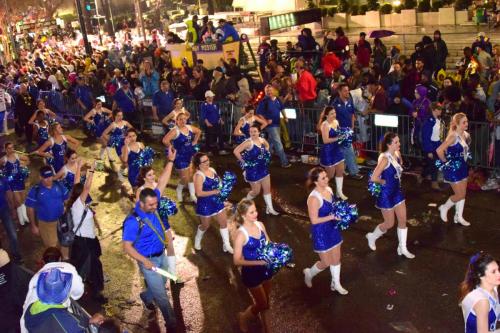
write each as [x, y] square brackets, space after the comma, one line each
[325, 236]
[391, 194]
[42, 134]
[256, 163]
[101, 122]
[69, 178]
[209, 206]
[58, 151]
[470, 318]
[12, 172]
[117, 138]
[133, 167]
[164, 220]
[330, 154]
[252, 276]
[245, 129]
[457, 155]
[183, 144]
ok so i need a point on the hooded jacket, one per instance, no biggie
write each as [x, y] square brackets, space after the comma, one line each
[422, 104]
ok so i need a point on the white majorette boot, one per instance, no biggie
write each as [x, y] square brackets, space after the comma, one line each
[335, 285]
[373, 236]
[20, 216]
[24, 213]
[309, 273]
[198, 238]
[226, 244]
[443, 209]
[338, 187]
[269, 205]
[459, 211]
[249, 196]
[402, 250]
[192, 193]
[178, 190]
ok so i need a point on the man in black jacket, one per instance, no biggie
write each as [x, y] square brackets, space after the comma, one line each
[441, 51]
[24, 108]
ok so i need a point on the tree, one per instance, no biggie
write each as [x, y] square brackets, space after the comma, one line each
[373, 5]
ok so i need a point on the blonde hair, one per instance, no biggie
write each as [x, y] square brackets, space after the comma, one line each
[455, 120]
[52, 128]
[241, 209]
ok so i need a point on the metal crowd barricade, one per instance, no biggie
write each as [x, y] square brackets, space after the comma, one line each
[80, 313]
[64, 105]
[226, 110]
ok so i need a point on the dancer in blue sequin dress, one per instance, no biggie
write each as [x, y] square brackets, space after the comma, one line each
[255, 273]
[40, 128]
[325, 235]
[254, 156]
[453, 153]
[479, 295]
[183, 138]
[331, 156]
[131, 153]
[242, 130]
[12, 169]
[391, 201]
[97, 120]
[54, 149]
[206, 183]
[170, 120]
[115, 132]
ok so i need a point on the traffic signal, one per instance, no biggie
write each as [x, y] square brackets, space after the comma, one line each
[89, 6]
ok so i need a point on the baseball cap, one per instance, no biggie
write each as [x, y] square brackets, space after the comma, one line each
[218, 69]
[209, 93]
[46, 173]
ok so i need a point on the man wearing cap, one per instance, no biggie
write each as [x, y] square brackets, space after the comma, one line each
[210, 117]
[270, 108]
[432, 130]
[124, 100]
[45, 202]
[52, 260]
[144, 240]
[83, 95]
[163, 101]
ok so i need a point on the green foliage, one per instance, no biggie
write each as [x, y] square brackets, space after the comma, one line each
[386, 8]
[344, 6]
[332, 11]
[410, 4]
[436, 4]
[447, 2]
[363, 9]
[372, 4]
[355, 10]
[462, 4]
[329, 2]
[424, 6]
[311, 4]
[397, 9]
[324, 12]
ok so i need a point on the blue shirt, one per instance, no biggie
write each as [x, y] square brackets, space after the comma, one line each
[148, 242]
[150, 84]
[47, 202]
[210, 112]
[3, 189]
[83, 93]
[230, 31]
[429, 146]
[163, 101]
[344, 111]
[125, 101]
[270, 110]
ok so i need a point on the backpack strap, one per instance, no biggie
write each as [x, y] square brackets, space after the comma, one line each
[141, 225]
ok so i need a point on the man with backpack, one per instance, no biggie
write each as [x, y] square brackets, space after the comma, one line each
[144, 240]
[45, 203]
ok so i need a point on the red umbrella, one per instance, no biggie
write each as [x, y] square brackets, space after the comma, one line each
[381, 33]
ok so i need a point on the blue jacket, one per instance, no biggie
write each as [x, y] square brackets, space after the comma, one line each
[150, 84]
[163, 102]
[230, 31]
[270, 110]
[209, 112]
[42, 318]
[344, 111]
[429, 146]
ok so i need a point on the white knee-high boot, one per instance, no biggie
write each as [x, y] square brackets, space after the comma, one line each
[226, 244]
[309, 273]
[459, 211]
[373, 236]
[192, 193]
[335, 285]
[269, 205]
[20, 217]
[108, 150]
[338, 185]
[443, 209]
[198, 238]
[24, 213]
[171, 265]
[250, 196]
[178, 190]
[101, 153]
[402, 250]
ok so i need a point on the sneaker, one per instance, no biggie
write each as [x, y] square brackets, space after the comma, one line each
[491, 184]
[223, 152]
[286, 166]
[357, 176]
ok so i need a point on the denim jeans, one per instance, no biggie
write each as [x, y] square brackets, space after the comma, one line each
[10, 229]
[273, 136]
[350, 160]
[156, 291]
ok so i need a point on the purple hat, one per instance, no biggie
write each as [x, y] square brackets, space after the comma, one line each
[53, 286]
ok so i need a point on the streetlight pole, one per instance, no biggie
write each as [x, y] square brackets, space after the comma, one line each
[141, 20]
[83, 29]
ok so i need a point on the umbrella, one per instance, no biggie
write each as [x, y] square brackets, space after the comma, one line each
[381, 33]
